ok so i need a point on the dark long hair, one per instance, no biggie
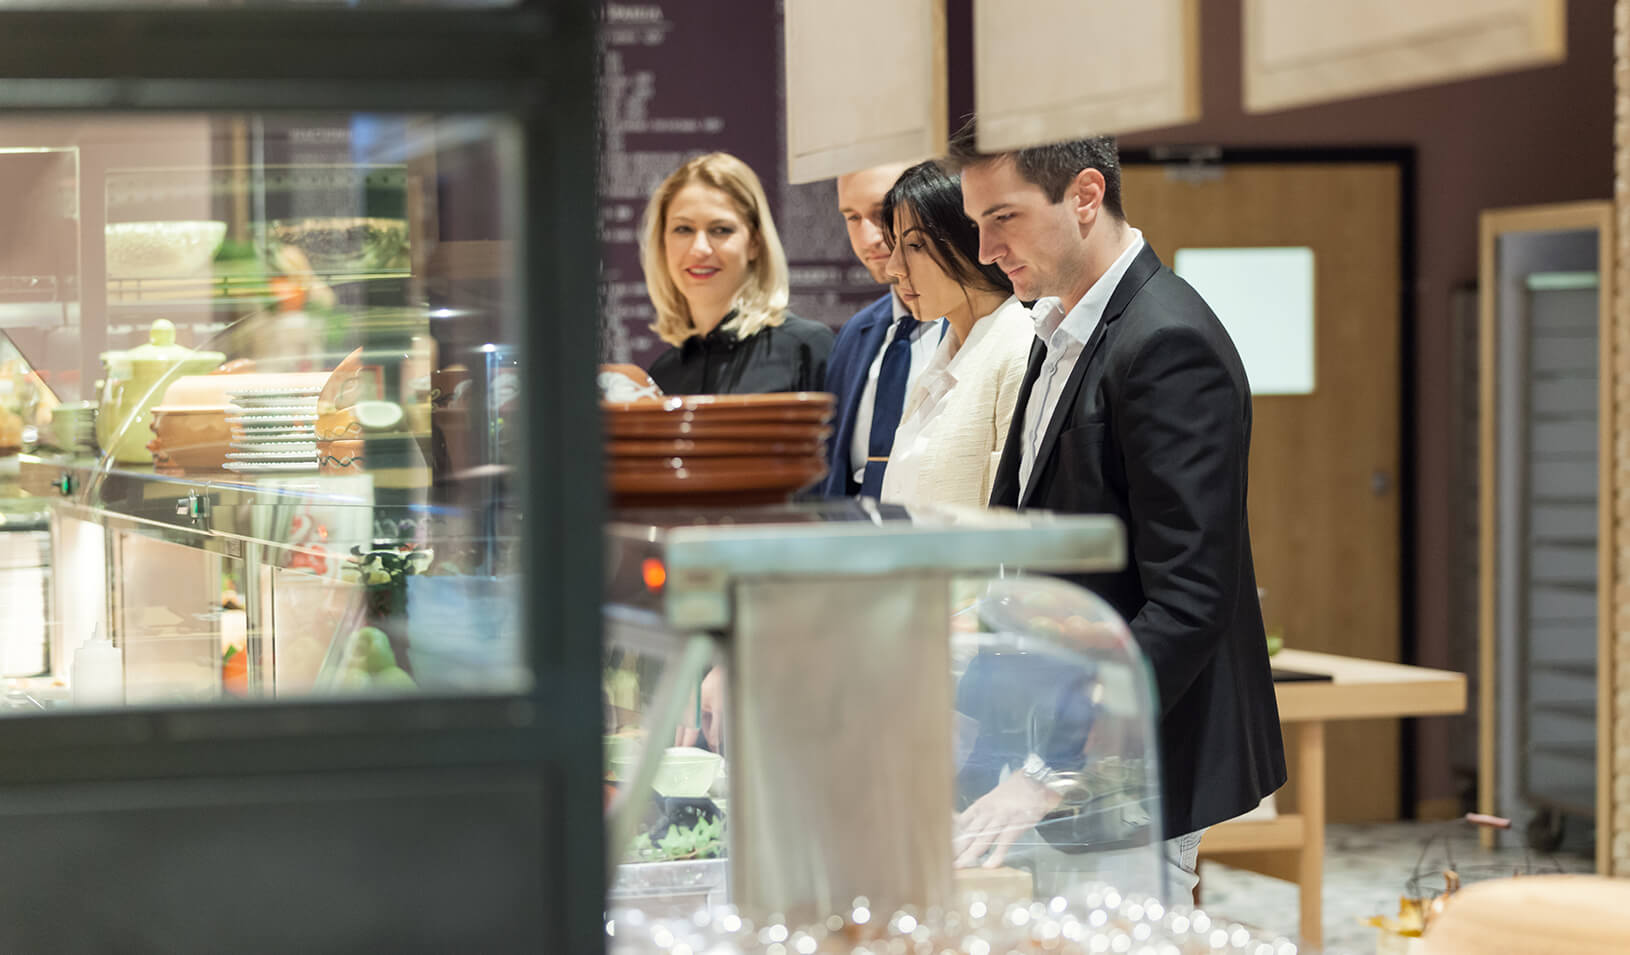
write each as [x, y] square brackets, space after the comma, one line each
[934, 197]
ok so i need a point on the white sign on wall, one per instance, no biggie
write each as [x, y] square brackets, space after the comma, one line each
[1264, 298]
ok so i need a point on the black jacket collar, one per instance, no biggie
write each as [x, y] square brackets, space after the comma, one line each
[722, 338]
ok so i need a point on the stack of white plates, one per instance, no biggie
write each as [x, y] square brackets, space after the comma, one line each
[274, 430]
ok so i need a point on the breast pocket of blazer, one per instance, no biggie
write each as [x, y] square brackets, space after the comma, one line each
[1081, 457]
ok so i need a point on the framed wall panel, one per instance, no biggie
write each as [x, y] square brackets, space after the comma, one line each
[1546, 500]
[1299, 53]
[859, 98]
[1110, 67]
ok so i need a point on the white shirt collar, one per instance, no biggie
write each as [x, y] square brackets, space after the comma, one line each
[1082, 320]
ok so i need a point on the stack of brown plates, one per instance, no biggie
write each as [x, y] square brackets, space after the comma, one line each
[715, 450]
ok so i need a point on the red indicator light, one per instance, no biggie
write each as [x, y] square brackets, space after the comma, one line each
[654, 573]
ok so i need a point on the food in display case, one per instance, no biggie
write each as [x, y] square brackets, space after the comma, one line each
[161, 250]
[338, 244]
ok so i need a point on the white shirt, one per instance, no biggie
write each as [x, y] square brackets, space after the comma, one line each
[922, 349]
[1065, 337]
[955, 421]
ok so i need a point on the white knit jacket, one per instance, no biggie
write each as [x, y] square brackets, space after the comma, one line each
[955, 420]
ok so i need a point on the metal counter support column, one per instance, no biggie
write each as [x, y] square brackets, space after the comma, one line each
[841, 705]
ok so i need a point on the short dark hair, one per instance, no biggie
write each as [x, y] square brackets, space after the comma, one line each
[934, 197]
[1051, 167]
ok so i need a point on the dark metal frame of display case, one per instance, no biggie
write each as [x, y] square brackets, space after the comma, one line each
[233, 828]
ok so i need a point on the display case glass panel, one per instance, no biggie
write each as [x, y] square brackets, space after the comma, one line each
[273, 392]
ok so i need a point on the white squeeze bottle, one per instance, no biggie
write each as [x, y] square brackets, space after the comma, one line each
[98, 677]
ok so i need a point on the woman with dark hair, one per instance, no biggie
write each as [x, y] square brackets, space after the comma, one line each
[955, 421]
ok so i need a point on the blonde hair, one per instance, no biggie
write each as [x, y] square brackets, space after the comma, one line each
[761, 302]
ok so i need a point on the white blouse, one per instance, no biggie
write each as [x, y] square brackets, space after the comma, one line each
[956, 419]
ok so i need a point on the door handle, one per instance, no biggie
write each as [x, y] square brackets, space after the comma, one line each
[1380, 483]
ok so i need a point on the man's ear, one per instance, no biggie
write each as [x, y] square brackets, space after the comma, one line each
[1087, 192]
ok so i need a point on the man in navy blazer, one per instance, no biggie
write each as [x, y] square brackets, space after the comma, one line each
[852, 370]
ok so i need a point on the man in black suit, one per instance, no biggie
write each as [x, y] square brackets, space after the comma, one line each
[1135, 404]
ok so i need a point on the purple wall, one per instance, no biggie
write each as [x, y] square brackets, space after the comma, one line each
[683, 77]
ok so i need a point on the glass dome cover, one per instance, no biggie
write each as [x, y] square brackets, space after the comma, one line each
[1054, 702]
[1053, 783]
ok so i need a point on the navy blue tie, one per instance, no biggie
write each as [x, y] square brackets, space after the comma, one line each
[887, 405]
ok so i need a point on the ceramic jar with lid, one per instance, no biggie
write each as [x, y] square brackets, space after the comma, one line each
[135, 382]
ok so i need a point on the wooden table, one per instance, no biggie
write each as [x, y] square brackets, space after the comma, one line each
[1291, 846]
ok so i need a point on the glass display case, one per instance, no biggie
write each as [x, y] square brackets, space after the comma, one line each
[292, 559]
[784, 736]
[309, 498]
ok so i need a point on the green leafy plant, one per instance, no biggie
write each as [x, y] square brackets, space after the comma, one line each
[705, 840]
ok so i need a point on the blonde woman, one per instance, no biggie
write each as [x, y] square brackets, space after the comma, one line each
[718, 280]
[955, 421]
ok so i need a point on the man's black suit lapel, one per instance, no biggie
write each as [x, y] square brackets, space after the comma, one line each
[1138, 274]
[1004, 490]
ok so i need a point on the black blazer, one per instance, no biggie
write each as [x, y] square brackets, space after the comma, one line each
[790, 356]
[1154, 427]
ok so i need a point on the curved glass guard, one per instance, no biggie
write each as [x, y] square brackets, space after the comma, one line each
[1055, 766]
[1054, 702]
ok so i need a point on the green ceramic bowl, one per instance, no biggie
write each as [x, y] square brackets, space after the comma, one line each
[685, 772]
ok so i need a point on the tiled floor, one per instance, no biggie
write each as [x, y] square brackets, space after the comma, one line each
[1366, 868]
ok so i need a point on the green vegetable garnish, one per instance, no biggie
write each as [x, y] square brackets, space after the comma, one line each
[701, 841]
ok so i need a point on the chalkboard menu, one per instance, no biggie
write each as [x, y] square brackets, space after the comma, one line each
[684, 77]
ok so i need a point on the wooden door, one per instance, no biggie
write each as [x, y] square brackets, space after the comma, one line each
[1324, 502]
